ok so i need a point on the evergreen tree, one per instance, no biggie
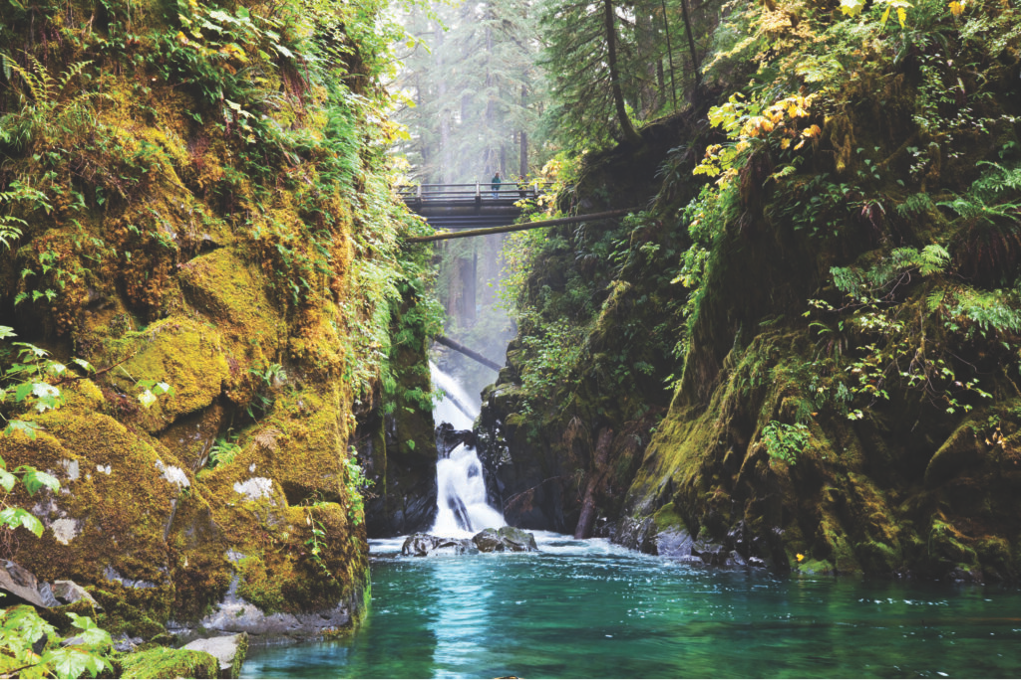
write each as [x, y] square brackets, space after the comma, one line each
[473, 87]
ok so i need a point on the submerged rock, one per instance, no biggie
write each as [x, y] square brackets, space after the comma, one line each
[507, 538]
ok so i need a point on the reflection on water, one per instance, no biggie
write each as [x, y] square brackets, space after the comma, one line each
[587, 609]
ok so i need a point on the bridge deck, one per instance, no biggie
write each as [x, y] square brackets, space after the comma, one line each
[470, 205]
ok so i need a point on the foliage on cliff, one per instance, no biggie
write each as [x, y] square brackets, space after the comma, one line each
[848, 278]
[195, 198]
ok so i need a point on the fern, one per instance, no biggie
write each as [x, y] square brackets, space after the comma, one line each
[223, 452]
[48, 110]
[900, 262]
[976, 312]
[983, 199]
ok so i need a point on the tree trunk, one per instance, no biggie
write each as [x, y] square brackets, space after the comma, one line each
[631, 134]
[588, 513]
[468, 287]
[446, 154]
[689, 39]
[523, 160]
[649, 102]
[671, 64]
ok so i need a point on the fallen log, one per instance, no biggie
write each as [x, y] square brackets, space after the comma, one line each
[521, 226]
[474, 355]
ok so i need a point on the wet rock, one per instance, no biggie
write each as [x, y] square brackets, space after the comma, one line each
[234, 615]
[126, 643]
[404, 478]
[507, 538]
[708, 551]
[21, 586]
[426, 545]
[230, 651]
[448, 438]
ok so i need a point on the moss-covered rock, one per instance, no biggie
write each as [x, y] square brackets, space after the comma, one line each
[237, 271]
[165, 663]
[903, 472]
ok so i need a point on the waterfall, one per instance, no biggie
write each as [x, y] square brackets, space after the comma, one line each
[461, 507]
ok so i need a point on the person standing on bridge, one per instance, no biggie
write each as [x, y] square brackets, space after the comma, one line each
[495, 185]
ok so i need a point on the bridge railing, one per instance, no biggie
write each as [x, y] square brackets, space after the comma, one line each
[476, 192]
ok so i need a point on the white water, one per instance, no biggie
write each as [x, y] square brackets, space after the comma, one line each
[459, 478]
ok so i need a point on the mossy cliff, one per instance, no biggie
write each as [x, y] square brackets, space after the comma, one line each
[846, 312]
[197, 197]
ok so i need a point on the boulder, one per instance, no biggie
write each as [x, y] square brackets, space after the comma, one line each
[21, 586]
[507, 538]
[68, 592]
[230, 651]
[426, 545]
[165, 663]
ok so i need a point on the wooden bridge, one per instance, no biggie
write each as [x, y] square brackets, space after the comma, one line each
[476, 209]
[470, 205]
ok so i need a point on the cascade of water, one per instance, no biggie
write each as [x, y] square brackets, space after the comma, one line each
[461, 507]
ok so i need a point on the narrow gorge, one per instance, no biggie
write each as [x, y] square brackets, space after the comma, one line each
[758, 406]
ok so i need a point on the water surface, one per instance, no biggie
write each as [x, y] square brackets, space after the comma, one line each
[588, 609]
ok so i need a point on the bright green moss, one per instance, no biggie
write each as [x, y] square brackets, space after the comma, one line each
[165, 663]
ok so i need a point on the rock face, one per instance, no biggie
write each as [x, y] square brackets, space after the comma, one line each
[268, 329]
[230, 651]
[904, 482]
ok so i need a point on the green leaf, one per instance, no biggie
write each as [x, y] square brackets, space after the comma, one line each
[22, 391]
[72, 662]
[31, 522]
[26, 428]
[7, 480]
[85, 365]
[35, 480]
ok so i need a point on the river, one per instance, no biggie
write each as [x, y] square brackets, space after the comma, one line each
[590, 609]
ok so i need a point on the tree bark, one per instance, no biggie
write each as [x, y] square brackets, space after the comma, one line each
[631, 134]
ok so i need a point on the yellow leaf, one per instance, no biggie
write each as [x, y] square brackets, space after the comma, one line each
[851, 7]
